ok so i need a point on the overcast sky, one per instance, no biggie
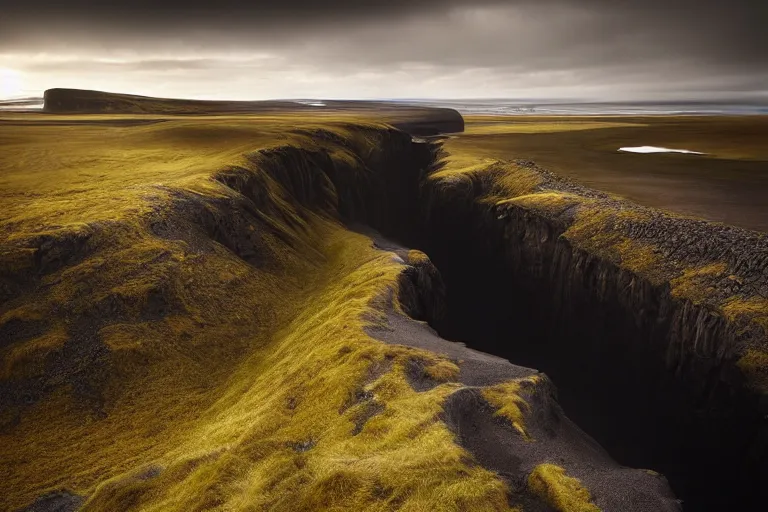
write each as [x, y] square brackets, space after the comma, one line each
[224, 49]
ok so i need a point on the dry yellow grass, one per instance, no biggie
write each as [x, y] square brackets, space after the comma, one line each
[551, 203]
[560, 491]
[692, 283]
[242, 391]
[55, 176]
[753, 307]
[509, 403]
[280, 437]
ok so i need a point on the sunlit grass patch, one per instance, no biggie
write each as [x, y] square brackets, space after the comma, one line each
[217, 331]
[564, 493]
[510, 403]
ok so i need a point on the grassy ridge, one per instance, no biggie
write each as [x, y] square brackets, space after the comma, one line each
[85, 101]
[178, 337]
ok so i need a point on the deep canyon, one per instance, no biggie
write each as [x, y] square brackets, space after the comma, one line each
[226, 300]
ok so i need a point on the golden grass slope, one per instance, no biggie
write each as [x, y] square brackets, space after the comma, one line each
[507, 399]
[282, 433]
[185, 347]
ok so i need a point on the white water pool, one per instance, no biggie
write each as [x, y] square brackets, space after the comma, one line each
[311, 103]
[655, 149]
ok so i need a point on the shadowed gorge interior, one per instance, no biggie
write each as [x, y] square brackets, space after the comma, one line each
[523, 291]
[610, 381]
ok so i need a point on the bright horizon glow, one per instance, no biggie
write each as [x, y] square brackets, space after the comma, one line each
[561, 50]
[10, 83]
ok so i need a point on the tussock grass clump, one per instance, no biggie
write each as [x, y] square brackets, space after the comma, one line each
[509, 403]
[694, 283]
[754, 307]
[560, 491]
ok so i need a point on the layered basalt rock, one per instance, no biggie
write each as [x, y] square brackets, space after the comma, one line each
[652, 325]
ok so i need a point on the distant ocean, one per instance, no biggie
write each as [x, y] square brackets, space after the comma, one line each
[523, 107]
[21, 104]
[527, 107]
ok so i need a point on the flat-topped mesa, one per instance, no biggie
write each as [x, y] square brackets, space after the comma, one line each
[82, 101]
[414, 119]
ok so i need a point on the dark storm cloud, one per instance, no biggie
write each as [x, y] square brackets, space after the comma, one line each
[651, 45]
[706, 29]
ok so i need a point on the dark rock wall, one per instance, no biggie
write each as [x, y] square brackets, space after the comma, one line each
[652, 378]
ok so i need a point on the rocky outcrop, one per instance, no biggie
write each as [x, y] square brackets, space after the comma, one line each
[633, 312]
[57, 501]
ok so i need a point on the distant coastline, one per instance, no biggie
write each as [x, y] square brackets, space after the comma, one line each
[525, 107]
[22, 104]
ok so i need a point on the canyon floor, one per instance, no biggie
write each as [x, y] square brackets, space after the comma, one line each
[249, 311]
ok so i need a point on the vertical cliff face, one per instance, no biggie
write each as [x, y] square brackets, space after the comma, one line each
[654, 377]
[641, 362]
